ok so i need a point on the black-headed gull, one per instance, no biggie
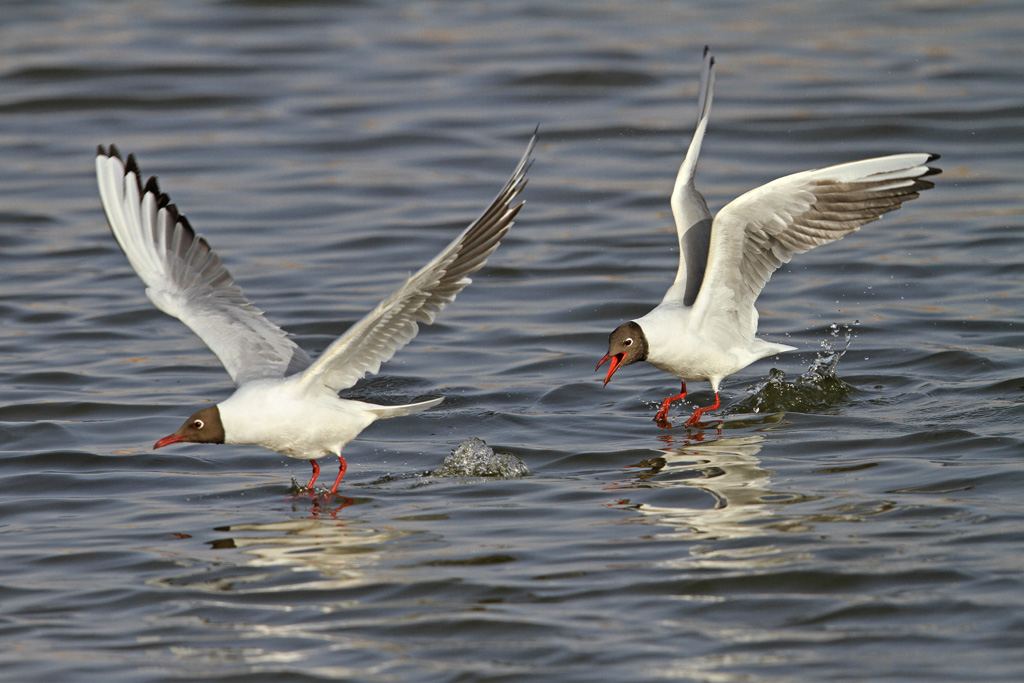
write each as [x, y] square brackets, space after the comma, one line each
[703, 330]
[284, 401]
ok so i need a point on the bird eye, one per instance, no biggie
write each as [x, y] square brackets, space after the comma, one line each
[198, 424]
[628, 342]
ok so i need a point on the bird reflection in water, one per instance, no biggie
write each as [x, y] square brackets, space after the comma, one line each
[322, 501]
[726, 468]
[339, 551]
[329, 505]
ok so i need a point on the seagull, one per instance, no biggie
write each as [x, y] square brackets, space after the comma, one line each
[704, 329]
[284, 400]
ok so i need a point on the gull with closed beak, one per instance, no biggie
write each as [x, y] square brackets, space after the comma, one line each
[284, 400]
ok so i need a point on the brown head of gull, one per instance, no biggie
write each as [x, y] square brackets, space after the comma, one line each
[704, 328]
[284, 400]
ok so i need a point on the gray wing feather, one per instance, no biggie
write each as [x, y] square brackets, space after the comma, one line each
[375, 338]
[692, 218]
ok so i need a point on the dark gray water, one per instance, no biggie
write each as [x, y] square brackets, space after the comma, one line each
[863, 527]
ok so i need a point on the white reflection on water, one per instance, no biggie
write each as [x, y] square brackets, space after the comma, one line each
[729, 470]
[341, 551]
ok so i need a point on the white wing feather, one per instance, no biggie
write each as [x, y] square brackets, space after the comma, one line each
[395, 321]
[186, 279]
[762, 229]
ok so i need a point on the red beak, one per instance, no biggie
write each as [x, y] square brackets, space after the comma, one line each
[167, 441]
[616, 361]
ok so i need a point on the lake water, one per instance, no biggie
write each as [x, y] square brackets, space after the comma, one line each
[867, 526]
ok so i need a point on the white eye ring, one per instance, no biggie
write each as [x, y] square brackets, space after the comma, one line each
[628, 342]
[198, 424]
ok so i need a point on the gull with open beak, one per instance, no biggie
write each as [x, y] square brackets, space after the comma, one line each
[704, 328]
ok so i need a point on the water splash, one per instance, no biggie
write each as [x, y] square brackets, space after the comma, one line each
[826, 360]
[474, 458]
[816, 389]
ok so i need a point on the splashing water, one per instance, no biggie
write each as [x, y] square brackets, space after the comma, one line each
[817, 389]
[474, 458]
[826, 360]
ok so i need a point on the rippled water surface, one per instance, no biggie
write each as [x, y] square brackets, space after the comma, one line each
[861, 526]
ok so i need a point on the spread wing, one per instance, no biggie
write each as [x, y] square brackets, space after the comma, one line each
[762, 229]
[186, 279]
[693, 220]
[395, 321]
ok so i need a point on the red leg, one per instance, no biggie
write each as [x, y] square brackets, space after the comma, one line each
[663, 413]
[316, 473]
[341, 473]
[700, 411]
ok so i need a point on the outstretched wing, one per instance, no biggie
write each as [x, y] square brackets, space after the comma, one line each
[388, 327]
[693, 220]
[762, 229]
[186, 279]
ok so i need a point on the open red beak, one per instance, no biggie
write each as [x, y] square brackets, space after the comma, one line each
[167, 441]
[616, 361]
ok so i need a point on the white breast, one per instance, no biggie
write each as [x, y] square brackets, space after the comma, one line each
[678, 348]
[275, 414]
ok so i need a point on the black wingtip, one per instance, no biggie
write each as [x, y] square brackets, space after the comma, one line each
[131, 166]
[112, 151]
[153, 186]
[187, 227]
[171, 209]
